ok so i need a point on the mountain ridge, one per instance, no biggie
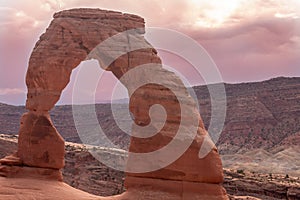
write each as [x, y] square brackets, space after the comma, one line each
[259, 115]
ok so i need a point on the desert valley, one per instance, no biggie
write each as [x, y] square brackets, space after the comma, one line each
[259, 145]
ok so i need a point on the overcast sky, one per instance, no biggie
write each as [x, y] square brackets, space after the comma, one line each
[249, 40]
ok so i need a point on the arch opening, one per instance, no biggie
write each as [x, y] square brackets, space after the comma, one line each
[117, 42]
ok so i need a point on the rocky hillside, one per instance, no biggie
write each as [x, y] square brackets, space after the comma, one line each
[84, 172]
[260, 115]
[263, 115]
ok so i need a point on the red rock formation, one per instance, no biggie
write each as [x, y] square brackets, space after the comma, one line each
[75, 35]
[40, 145]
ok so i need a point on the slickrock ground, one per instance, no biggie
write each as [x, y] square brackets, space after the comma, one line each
[35, 189]
[84, 172]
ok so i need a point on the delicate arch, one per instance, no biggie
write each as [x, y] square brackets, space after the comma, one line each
[72, 37]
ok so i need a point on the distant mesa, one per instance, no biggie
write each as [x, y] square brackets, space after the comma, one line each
[71, 38]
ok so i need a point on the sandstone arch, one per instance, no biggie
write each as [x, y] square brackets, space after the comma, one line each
[69, 39]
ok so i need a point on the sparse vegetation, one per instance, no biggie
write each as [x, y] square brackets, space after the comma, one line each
[287, 176]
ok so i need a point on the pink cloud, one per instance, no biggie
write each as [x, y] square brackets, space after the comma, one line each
[12, 95]
[255, 40]
[11, 91]
[254, 50]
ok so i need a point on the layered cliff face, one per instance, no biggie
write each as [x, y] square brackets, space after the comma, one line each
[79, 34]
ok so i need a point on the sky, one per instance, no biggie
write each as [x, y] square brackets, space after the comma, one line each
[249, 40]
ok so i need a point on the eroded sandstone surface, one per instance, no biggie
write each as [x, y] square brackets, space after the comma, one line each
[79, 34]
[84, 172]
